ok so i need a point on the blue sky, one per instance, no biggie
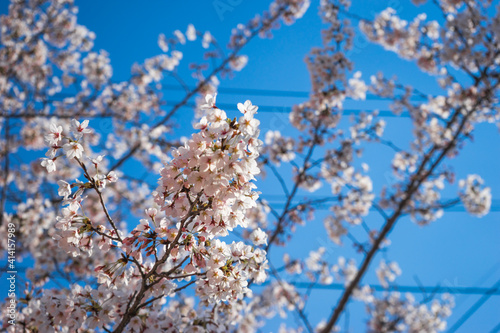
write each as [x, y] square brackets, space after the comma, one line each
[456, 251]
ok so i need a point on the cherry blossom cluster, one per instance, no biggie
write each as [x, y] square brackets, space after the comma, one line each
[399, 35]
[288, 10]
[214, 169]
[205, 192]
[181, 245]
[318, 269]
[387, 272]
[281, 297]
[316, 265]
[395, 314]
[70, 145]
[279, 149]
[475, 196]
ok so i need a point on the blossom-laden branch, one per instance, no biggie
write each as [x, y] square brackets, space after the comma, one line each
[203, 192]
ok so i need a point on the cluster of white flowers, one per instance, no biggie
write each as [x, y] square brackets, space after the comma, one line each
[75, 229]
[204, 192]
[96, 68]
[72, 147]
[354, 204]
[214, 169]
[278, 148]
[318, 266]
[404, 162]
[345, 271]
[475, 197]
[334, 225]
[394, 314]
[398, 35]
[283, 296]
[387, 272]
[288, 10]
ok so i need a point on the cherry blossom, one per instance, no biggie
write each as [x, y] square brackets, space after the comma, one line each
[73, 150]
[475, 197]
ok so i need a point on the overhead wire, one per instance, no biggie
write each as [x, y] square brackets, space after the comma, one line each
[272, 92]
[495, 206]
[496, 329]
[288, 110]
[480, 302]
[493, 291]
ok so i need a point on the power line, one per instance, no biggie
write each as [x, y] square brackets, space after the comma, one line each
[323, 206]
[321, 197]
[288, 110]
[249, 91]
[480, 281]
[263, 92]
[230, 107]
[474, 308]
[459, 209]
[496, 329]
[410, 289]
[493, 291]
[271, 92]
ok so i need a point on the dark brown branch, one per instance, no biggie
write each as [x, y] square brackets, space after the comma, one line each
[6, 172]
